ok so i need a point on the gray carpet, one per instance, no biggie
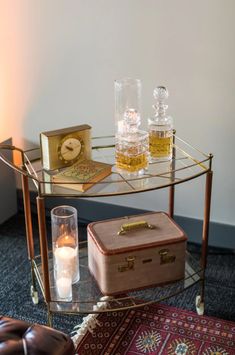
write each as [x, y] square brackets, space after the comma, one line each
[15, 300]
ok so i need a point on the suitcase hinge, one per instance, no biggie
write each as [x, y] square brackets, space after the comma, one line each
[165, 258]
[129, 266]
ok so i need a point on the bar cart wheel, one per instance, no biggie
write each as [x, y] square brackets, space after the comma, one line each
[200, 306]
[34, 295]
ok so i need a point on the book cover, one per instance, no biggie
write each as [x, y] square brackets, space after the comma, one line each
[84, 175]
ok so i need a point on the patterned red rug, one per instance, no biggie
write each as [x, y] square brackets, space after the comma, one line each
[158, 329]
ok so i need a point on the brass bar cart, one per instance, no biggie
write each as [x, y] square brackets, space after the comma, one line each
[188, 163]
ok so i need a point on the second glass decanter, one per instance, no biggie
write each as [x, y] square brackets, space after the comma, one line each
[131, 143]
[160, 128]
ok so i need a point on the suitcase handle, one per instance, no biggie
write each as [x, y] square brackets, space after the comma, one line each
[127, 227]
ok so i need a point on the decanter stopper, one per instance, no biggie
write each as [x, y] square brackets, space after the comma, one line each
[160, 94]
[132, 118]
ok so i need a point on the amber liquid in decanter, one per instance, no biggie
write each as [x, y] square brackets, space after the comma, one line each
[131, 163]
[132, 146]
[160, 144]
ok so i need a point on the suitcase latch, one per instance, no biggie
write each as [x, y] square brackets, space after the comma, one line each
[128, 266]
[165, 258]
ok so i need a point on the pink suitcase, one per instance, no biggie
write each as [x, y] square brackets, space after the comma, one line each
[133, 252]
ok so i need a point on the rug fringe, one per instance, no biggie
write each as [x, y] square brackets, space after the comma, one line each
[89, 322]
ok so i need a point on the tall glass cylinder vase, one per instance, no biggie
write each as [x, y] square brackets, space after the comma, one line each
[132, 144]
[65, 247]
[127, 95]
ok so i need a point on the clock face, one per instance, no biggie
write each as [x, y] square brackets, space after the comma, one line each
[70, 149]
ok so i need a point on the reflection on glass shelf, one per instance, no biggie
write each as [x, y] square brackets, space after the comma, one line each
[86, 293]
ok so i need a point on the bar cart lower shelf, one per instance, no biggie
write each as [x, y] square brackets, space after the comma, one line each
[86, 292]
[188, 163]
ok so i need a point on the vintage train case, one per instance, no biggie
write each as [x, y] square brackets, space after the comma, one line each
[135, 252]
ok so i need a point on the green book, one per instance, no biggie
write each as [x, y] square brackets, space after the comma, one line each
[82, 175]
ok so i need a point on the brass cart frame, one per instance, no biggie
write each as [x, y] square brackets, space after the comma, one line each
[188, 163]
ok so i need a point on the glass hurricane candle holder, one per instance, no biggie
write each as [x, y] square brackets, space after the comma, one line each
[65, 243]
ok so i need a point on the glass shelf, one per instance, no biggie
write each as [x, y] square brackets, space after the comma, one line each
[86, 293]
[188, 163]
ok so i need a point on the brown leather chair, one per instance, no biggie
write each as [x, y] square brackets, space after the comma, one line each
[21, 338]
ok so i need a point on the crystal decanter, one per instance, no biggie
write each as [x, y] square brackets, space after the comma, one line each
[160, 128]
[132, 145]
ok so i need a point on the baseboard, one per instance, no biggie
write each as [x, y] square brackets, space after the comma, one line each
[221, 235]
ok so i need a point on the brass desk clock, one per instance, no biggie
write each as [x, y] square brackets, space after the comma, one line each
[64, 147]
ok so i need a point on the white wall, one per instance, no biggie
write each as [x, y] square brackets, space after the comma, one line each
[7, 189]
[62, 57]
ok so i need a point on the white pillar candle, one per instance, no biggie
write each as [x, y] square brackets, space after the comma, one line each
[64, 287]
[66, 258]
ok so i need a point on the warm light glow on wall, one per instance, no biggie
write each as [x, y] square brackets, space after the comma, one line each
[14, 57]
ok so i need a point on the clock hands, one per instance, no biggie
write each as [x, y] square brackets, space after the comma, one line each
[70, 151]
[65, 153]
[72, 148]
[69, 148]
[77, 146]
